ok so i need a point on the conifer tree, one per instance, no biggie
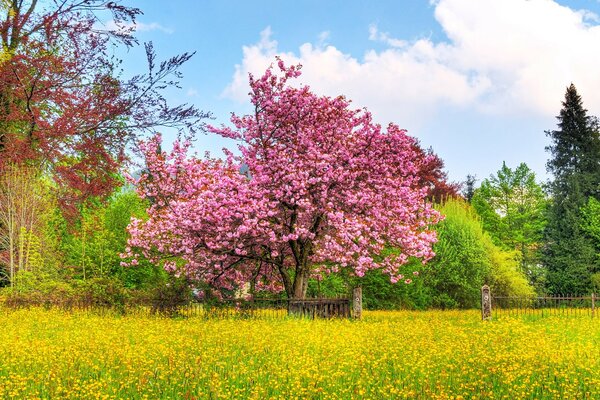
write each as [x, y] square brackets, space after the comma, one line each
[469, 187]
[575, 165]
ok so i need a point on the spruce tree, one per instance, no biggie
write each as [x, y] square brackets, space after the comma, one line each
[469, 188]
[569, 253]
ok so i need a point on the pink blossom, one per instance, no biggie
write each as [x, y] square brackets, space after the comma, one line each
[325, 188]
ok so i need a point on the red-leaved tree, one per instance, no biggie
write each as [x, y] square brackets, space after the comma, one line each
[63, 106]
[318, 187]
[431, 175]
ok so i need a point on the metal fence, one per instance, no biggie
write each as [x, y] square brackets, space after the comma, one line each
[225, 308]
[542, 306]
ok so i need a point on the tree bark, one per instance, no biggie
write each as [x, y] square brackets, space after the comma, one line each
[300, 283]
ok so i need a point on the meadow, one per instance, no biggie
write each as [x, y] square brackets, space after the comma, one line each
[424, 355]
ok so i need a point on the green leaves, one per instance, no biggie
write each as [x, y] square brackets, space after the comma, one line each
[93, 249]
[571, 234]
[512, 206]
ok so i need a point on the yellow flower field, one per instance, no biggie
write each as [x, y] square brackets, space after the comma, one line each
[425, 355]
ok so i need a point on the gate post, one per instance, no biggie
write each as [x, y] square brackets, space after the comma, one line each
[357, 302]
[486, 303]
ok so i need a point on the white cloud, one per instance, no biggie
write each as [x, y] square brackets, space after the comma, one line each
[376, 35]
[191, 92]
[139, 27]
[503, 57]
[153, 26]
[323, 38]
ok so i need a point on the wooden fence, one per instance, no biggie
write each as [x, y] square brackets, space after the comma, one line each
[541, 306]
[320, 308]
[226, 308]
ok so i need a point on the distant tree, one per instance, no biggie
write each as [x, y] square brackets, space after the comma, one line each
[569, 253]
[326, 189]
[469, 187]
[512, 206]
[63, 105]
[25, 207]
[590, 225]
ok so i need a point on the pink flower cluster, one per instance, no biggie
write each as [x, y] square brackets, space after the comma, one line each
[325, 188]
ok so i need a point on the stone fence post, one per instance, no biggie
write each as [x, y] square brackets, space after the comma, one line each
[357, 302]
[486, 303]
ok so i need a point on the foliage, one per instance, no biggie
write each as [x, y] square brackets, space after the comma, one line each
[330, 286]
[324, 189]
[403, 355]
[461, 264]
[590, 225]
[91, 293]
[44, 293]
[26, 246]
[380, 294]
[47, 251]
[93, 248]
[63, 106]
[512, 207]
[506, 276]
[168, 298]
[469, 187]
[431, 175]
[590, 221]
[596, 282]
[466, 259]
[575, 164]
[102, 292]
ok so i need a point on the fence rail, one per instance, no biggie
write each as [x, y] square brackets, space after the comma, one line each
[225, 308]
[560, 305]
[546, 305]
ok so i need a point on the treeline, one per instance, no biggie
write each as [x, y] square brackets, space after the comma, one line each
[514, 233]
[506, 233]
[45, 257]
[68, 122]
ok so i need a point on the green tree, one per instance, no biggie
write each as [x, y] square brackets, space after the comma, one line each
[466, 258]
[590, 224]
[512, 206]
[93, 249]
[461, 264]
[27, 246]
[506, 277]
[569, 253]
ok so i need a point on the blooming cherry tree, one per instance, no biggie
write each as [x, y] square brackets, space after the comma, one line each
[318, 187]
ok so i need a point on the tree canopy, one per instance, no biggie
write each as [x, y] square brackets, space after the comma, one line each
[575, 164]
[324, 189]
[64, 107]
[512, 207]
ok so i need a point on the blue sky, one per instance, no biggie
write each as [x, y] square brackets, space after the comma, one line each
[478, 80]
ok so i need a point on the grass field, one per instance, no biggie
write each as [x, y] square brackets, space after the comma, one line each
[426, 355]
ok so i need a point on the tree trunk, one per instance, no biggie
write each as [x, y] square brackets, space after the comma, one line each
[300, 284]
[11, 255]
